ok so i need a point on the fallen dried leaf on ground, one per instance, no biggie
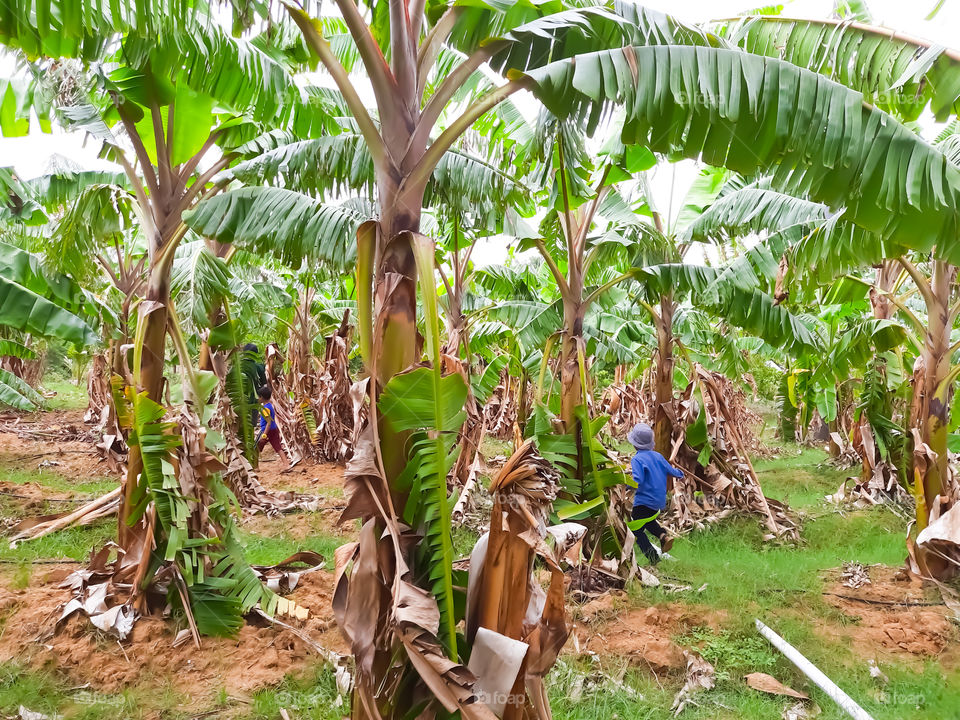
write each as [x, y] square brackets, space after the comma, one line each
[801, 711]
[854, 575]
[876, 672]
[700, 676]
[26, 714]
[769, 684]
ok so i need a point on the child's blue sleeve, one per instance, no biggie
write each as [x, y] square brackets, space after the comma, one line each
[263, 421]
[633, 480]
[671, 470]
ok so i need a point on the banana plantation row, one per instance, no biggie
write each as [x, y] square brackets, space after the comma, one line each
[319, 183]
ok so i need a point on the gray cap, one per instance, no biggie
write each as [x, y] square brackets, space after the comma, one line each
[641, 436]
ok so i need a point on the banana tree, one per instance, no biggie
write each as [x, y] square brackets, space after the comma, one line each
[662, 310]
[93, 233]
[589, 227]
[423, 112]
[169, 98]
[456, 271]
[399, 57]
[901, 74]
[820, 245]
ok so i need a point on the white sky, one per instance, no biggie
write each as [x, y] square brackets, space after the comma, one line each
[30, 155]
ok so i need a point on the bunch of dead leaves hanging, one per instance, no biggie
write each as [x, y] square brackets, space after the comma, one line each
[463, 477]
[878, 481]
[708, 443]
[502, 409]
[628, 403]
[332, 407]
[312, 400]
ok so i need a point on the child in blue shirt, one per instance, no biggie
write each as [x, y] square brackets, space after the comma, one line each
[650, 471]
[269, 432]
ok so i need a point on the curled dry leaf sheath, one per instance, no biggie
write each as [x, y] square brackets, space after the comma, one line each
[523, 493]
[384, 616]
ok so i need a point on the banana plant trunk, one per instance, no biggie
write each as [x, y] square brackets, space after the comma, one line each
[882, 308]
[933, 386]
[154, 310]
[523, 409]
[395, 307]
[571, 388]
[663, 383]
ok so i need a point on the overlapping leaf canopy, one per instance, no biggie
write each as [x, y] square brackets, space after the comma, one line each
[754, 114]
[894, 71]
[40, 302]
[282, 222]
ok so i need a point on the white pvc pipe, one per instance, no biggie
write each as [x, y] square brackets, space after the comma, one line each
[846, 702]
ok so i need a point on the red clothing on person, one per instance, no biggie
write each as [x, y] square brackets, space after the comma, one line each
[273, 437]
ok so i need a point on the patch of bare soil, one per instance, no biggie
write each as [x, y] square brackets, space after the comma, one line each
[56, 441]
[894, 616]
[76, 459]
[641, 636]
[322, 480]
[260, 656]
[308, 477]
[302, 525]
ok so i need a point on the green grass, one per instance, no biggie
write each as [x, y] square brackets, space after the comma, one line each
[743, 573]
[44, 692]
[914, 695]
[310, 697]
[490, 447]
[52, 480]
[747, 576]
[463, 541]
[68, 396]
[269, 550]
[801, 477]
[71, 544]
